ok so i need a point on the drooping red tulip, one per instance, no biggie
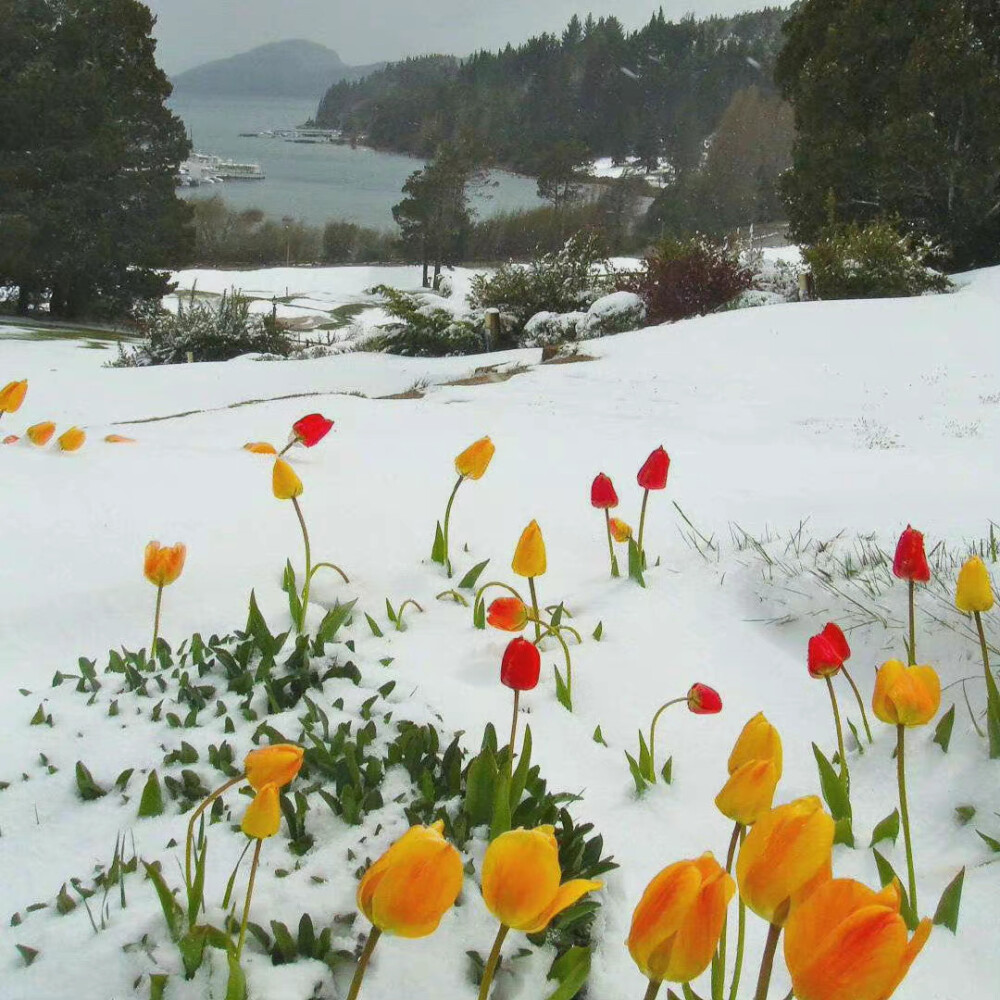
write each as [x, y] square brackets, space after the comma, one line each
[910, 561]
[703, 700]
[602, 493]
[823, 657]
[311, 429]
[834, 634]
[521, 665]
[653, 474]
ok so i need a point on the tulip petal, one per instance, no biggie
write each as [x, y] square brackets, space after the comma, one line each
[521, 875]
[663, 908]
[696, 941]
[913, 948]
[749, 792]
[759, 740]
[566, 895]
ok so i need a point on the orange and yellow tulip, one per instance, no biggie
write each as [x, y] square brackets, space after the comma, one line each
[758, 740]
[276, 765]
[846, 942]
[529, 556]
[787, 853]
[41, 434]
[263, 816]
[71, 440]
[12, 396]
[285, 483]
[678, 922]
[620, 531]
[521, 876]
[411, 887]
[163, 564]
[260, 448]
[474, 461]
[749, 792]
[974, 592]
[906, 696]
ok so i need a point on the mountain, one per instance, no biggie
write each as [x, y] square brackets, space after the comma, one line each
[293, 68]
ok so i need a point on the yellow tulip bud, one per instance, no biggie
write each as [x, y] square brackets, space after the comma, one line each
[263, 816]
[620, 531]
[411, 887]
[529, 556]
[12, 396]
[277, 764]
[521, 876]
[906, 696]
[759, 740]
[163, 564]
[974, 590]
[40, 434]
[71, 440]
[787, 854]
[678, 922]
[749, 792]
[475, 460]
[285, 483]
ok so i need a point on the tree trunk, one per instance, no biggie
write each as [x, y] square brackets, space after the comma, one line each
[23, 299]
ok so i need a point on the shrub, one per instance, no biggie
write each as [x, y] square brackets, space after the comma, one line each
[684, 278]
[871, 262]
[614, 313]
[422, 330]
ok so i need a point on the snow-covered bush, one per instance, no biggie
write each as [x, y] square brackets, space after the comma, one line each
[546, 328]
[872, 262]
[614, 313]
[422, 329]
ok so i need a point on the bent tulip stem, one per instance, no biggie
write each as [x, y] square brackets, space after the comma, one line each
[912, 651]
[642, 528]
[904, 813]
[611, 548]
[246, 904]
[652, 989]
[156, 624]
[300, 624]
[652, 731]
[366, 954]
[330, 565]
[534, 608]
[194, 819]
[554, 632]
[491, 963]
[767, 961]
[861, 704]
[992, 694]
[840, 732]
[447, 522]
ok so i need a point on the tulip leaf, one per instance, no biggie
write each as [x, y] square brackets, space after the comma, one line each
[290, 587]
[257, 627]
[438, 553]
[562, 692]
[834, 791]
[151, 803]
[479, 614]
[332, 621]
[172, 912]
[964, 814]
[946, 914]
[598, 737]
[480, 788]
[645, 760]
[284, 944]
[520, 777]
[637, 776]
[196, 893]
[599, 631]
[992, 843]
[373, 625]
[85, 784]
[857, 738]
[887, 874]
[556, 617]
[468, 582]
[635, 563]
[886, 829]
[667, 771]
[158, 985]
[28, 955]
[236, 985]
[942, 732]
[570, 970]
[501, 808]
[192, 949]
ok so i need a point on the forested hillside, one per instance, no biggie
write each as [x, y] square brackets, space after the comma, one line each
[660, 90]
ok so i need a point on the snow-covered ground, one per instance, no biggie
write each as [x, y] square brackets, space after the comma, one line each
[807, 427]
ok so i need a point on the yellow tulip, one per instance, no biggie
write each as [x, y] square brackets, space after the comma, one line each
[620, 531]
[411, 887]
[41, 434]
[263, 816]
[678, 922]
[749, 792]
[759, 740]
[529, 556]
[974, 590]
[277, 765]
[787, 854]
[12, 396]
[846, 942]
[285, 483]
[906, 696]
[475, 460]
[163, 564]
[521, 876]
[71, 440]
[260, 448]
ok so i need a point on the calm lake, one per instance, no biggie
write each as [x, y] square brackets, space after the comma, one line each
[313, 182]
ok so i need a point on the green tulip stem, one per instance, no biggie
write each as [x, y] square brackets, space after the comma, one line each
[652, 989]
[719, 969]
[447, 522]
[194, 819]
[156, 625]
[611, 548]
[330, 565]
[534, 608]
[642, 528]
[652, 731]
[366, 954]
[513, 728]
[840, 730]
[861, 704]
[491, 963]
[740, 937]
[554, 632]
[246, 904]
[486, 586]
[992, 693]
[913, 628]
[291, 444]
[767, 961]
[904, 813]
[301, 623]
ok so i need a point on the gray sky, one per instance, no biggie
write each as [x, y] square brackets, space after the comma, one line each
[191, 32]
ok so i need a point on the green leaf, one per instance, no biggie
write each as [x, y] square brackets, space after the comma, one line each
[333, 620]
[479, 615]
[942, 731]
[64, 901]
[990, 842]
[480, 788]
[570, 970]
[834, 791]
[635, 563]
[236, 984]
[389, 612]
[151, 803]
[192, 949]
[887, 874]
[667, 773]
[599, 631]
[501, 808]
[646, 760]
[946, 914]
[196, 893]
[290, 586]
[284, 943]
[886, 829]
[843, 831]
[173, 914]
[39, 718]
[87, 787]
[633, 766]
[373, 625]
[158, 985]
[857, 737]
[257, 627]
[468, 582]
[963, 814]
[28, 955]
[562, 692]
[598, 737]
[557, 616]
[520, 777]
[438, 553]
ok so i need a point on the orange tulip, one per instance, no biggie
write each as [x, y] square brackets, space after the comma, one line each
[12, 396]
[529, 556]
[41, 434]
[749, 792]
[163, 564]
[285, 483]
[787, 853]
[71, 440]
[508, 614]
[678, 922]
[118, 439]
[276, 765]
[263, 816]
[521, 876]
[846, 942]
[620, 531]
[475, 460]
[906, 696]
[411, 887]
[758, 740]
[260, 448]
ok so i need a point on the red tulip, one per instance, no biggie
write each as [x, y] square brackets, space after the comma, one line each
[834, 634]
[311, 429]
[703, 700]
[823, 657]
[508, 614]
[602, 493]
[653, 474]
[521, 665]
[910, 562]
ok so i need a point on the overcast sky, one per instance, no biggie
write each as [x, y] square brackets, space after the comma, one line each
[191, 32]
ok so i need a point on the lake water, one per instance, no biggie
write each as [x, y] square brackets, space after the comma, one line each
[313, 182]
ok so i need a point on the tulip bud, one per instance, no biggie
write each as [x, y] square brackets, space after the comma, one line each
[263, 816]
[163, 564]
[260, 448]
[678, 922]
[284, 482]
[521, 665]
[703, 700]
[12, 396]
[834, 635]
[509, 614]
[620, 531]
[529, 556]
[474, 461]
[759, 740]
[974, 590]
[906, 696]
[749, 792]
[276, 765]
[521, 876]
[71, 440]
[40, 434]
[823, 659]
[910, 561]
[311, 429]
[410, 888]
[653, 474]
[602, 493]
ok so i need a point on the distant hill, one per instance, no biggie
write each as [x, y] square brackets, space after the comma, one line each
[293, 68]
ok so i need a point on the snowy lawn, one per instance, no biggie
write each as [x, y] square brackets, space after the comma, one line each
[803, 438]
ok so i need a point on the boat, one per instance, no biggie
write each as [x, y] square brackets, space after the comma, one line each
[205, 168]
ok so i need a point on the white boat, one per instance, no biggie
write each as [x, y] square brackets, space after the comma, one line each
[204, 168]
